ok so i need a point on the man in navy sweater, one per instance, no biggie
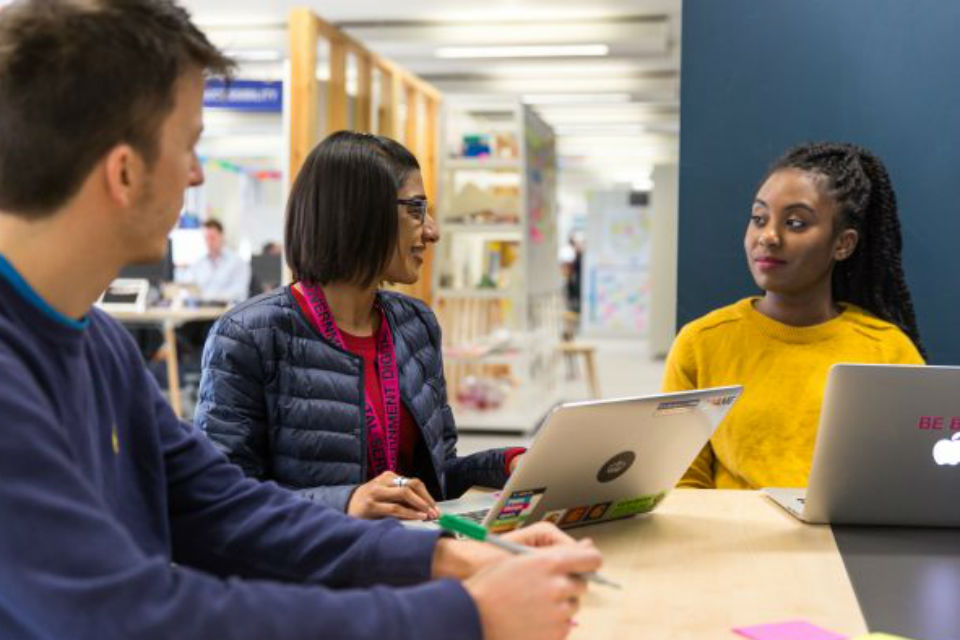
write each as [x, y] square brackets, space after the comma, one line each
[117, 520]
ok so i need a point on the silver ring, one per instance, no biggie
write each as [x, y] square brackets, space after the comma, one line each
[401, 481]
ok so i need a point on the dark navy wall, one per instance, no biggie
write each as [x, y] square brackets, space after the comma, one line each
[761, 75]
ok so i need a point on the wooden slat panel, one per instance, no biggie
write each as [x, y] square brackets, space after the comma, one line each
[337, 90]
[411, 135]
[304, 106]
[389, 101]
[362, 116]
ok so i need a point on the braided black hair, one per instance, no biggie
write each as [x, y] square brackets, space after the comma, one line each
[872, 276]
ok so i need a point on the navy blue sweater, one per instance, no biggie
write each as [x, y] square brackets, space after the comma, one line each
[119, 521]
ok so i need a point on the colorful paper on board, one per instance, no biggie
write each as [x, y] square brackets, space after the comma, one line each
[794, 630]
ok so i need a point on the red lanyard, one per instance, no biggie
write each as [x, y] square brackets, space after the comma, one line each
[382, 444]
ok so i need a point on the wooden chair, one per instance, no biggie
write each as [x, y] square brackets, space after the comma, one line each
[586, 352]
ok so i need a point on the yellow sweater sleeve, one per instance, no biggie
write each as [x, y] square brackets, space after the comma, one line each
[681, 375]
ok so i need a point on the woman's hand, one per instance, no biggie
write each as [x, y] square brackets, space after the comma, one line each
[386, 497]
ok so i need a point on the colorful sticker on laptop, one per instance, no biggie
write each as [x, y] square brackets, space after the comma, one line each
[671, 407]
[597, 511]
[574, 515]
[516, 508]
[554, 516]
[641, 504]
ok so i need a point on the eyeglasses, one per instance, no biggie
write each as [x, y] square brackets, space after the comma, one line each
[416, 207]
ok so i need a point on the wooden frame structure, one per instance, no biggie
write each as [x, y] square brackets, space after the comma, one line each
[418, 132]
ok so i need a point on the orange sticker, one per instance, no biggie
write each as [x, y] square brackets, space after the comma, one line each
[574, 515]
[597, 511]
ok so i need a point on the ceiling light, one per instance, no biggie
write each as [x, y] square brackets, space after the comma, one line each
[255, 55]
[599, 129]
[524, 51]
[576, 98]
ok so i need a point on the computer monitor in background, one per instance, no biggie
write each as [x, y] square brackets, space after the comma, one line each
[155, 272]
[266, 269]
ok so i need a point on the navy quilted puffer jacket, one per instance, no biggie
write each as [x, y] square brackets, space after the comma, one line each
[287, 405]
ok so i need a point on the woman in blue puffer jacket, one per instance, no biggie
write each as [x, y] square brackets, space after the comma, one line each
[333, 387]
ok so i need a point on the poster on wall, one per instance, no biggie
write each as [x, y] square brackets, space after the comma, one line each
[626, 236]
[618, 299]
[616, 294]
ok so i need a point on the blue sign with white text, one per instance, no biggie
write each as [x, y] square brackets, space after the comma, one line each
[244, 95]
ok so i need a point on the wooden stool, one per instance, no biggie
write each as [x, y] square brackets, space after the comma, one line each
[574, 349]
[571, 325]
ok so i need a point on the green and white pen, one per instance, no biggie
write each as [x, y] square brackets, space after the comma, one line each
[456, 524]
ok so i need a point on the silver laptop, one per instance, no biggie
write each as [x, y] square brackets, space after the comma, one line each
[888, 449]
[602, 460]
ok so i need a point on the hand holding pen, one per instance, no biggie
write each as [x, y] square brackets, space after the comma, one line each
[535, 594]
[477, 531]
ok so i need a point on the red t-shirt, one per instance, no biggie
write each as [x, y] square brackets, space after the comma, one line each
[366, 348]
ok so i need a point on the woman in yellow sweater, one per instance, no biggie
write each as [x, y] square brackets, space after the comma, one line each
[823, 243]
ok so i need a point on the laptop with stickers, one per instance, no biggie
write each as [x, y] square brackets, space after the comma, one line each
[602, 460]
[887, 451]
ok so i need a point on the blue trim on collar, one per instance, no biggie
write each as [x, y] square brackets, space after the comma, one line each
[12, 276]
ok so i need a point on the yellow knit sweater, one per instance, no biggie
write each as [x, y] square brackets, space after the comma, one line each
[767, 438]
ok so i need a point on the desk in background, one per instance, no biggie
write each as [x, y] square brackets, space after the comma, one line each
[708, 561]
[169, 318]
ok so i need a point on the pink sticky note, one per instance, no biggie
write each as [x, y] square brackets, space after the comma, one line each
[795, 630]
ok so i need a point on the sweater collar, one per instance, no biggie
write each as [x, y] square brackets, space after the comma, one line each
[29, 295]
[789, 333]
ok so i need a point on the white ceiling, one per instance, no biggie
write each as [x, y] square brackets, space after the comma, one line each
[643, 64]
[452, 10]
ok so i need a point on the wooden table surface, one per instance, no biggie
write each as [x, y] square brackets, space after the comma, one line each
[708, 561]
[179, 315]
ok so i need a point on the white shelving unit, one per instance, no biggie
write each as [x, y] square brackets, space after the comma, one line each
[496, 278]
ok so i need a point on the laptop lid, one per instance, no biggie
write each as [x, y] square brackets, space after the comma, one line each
[602, 460]
[125, 294]
[888, 449]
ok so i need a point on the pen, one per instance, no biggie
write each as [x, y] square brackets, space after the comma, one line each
[477, 531]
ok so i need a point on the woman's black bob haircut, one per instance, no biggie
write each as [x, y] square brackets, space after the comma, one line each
[342, 212]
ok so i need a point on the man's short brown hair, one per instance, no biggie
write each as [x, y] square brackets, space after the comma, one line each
[213, 223]
[78, 77]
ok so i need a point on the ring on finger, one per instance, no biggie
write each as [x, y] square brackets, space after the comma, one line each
[401, 481]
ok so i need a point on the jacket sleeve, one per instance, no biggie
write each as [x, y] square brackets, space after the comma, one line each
[484, 468]
[72, 569]
[232, 406]
[334, 496]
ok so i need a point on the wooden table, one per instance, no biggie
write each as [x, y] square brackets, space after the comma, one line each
[169, 318]
[708, 561]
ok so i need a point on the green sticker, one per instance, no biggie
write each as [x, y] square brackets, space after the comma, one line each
[631, 507]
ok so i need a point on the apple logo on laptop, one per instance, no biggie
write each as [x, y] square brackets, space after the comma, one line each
[617, 466]
[947, 452]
